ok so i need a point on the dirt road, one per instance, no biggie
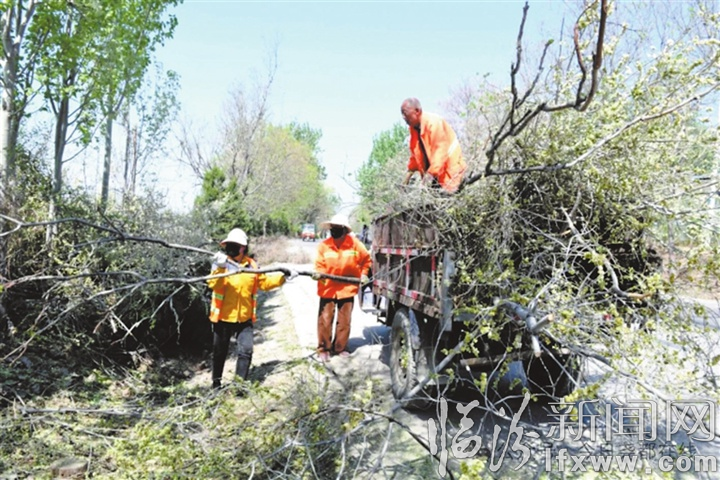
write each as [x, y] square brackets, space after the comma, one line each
[368, 345]
[366, 333]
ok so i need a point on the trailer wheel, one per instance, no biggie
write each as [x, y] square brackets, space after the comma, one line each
[406, 363]
[552, 375]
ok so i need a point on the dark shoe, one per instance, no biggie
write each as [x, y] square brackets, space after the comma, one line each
[324, 356]
[216, 385]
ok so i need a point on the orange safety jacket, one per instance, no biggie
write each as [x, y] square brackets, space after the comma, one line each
[234, 298]
[444, 155]
[351, 259]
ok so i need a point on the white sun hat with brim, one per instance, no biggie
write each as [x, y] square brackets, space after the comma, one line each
[338, 219]
[236, 235]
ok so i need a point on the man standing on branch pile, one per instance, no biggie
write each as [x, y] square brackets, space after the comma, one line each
[234, 303]
[344, 255]
[434, 147]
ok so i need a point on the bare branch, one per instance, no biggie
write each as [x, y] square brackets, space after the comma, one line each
[600, 143]
[86, 411]
[121, 236]
[512, 126]
[597, 60]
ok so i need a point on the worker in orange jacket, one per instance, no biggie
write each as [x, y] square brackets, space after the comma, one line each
[434, 147]
[344, 255]
[233, 308]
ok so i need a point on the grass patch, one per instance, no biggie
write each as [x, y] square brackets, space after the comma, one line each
[293, 428]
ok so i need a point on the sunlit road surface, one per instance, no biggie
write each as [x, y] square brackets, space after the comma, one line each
[301, 294]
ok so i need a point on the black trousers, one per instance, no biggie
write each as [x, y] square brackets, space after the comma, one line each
[222, 333]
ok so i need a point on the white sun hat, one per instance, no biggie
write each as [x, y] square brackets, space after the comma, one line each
[236, 235]
[337, 219]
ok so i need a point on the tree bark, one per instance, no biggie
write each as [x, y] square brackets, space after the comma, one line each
[10, 23]
[107, 163]
[61, 126]
[13, 23]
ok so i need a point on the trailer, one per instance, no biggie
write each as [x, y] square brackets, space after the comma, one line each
[413, 275]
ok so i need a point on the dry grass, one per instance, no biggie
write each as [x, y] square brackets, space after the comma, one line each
[268, 250]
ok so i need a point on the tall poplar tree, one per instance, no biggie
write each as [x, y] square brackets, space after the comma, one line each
[93, 56]
[14, 21]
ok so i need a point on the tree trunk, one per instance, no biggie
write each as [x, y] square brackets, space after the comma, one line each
[134, 161]
[14, 22]
[8, 132]
[107, 162]
[6, 148]
[126, 159]
[6, 172]
[131, 158]
[60, 140]
[61, 126]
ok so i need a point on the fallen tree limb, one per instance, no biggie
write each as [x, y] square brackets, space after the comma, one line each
[84, 411]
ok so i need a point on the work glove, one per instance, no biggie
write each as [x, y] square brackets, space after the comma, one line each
[220, 260]
[290, 274]
[364, 280]
[316, 276]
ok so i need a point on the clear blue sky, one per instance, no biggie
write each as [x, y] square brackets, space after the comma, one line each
[344, 67]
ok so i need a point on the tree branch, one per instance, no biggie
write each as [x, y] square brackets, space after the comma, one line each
[599, 144]
[511, 126]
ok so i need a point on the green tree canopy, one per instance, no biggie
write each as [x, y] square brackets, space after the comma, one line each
[383, 172]
[276, 182]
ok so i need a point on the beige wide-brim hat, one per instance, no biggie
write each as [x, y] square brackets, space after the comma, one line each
[338, 219]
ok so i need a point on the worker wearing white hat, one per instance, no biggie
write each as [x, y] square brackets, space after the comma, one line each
[342, 255]
[234, 303]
